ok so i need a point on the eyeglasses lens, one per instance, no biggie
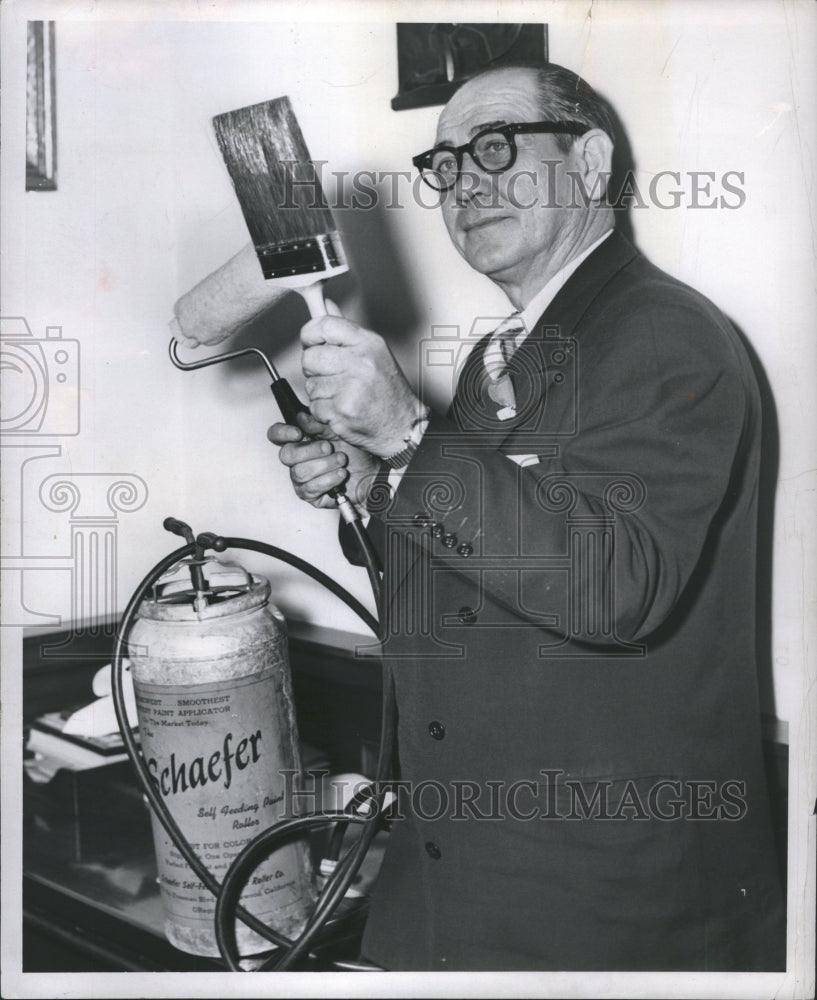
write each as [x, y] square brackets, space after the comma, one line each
[493, 151]
[490, 152]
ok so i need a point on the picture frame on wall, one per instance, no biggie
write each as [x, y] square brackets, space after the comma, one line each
[41, 109]
[434, 59]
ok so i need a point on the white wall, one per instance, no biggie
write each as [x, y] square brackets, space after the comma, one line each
[144, 209]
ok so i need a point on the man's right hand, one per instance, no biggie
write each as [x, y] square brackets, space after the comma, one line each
[315, 467]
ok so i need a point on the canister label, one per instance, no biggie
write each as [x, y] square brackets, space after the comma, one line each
[215, 753]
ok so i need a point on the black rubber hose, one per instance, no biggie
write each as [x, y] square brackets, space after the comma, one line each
[130, 744]
[337, 884]
[336, 839]
[341, 878]
[373, 569]
[333, 892]
[318, 575]
[250, 857]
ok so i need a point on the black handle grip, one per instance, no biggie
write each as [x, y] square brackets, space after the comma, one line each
[290, 406]
[178, 527]
[207, 540]
[288, 403]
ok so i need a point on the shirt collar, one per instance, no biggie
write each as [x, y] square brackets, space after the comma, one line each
[537, 305]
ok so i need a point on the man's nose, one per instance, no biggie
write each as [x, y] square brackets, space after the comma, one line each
[473, 183]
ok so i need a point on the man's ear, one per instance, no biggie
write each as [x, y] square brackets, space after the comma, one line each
[594, 158]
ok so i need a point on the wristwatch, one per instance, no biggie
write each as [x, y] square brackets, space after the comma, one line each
[412, 439]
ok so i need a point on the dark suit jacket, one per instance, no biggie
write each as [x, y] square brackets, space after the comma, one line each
[572, 646]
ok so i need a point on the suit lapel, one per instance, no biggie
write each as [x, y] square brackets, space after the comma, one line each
[537, 361]
[578, 293]
[534, 367]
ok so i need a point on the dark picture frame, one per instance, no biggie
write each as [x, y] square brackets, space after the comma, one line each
[435, 59]
[41, 117]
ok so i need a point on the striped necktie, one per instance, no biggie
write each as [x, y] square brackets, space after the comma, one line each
[498, 353]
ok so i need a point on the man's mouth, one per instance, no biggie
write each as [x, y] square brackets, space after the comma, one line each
[469, 225]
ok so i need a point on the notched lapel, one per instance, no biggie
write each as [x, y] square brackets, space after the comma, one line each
[544, 372]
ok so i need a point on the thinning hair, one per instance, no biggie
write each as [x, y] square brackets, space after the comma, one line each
[562, 94]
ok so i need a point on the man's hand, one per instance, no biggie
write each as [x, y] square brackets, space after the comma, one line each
[315, 467]
[356, 386]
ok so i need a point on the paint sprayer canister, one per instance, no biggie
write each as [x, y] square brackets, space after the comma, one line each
[217, 727]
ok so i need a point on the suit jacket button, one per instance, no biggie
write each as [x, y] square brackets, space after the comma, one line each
[436, 730]
[465, 549]
[437, 529]
[449, 541]
[467, 616]
[433, 851]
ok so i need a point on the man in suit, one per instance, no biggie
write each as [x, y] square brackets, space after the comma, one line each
[569, 572]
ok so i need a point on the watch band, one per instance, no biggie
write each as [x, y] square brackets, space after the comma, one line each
[402, 458]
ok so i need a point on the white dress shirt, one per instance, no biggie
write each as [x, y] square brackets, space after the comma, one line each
[527, 318]
[537, 305]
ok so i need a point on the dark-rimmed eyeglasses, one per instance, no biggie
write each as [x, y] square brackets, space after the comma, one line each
[493, 150]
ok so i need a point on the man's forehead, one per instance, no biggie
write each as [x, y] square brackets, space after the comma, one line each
[508, 96]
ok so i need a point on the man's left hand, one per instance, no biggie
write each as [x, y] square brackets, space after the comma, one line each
[356, 386]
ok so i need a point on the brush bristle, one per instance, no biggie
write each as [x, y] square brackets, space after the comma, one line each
[276, 183]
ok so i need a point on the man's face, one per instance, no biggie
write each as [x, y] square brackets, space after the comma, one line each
[507, 225]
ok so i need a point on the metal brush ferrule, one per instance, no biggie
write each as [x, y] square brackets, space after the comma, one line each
[305, 256]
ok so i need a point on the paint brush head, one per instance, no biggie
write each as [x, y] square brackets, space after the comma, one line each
[280, 194]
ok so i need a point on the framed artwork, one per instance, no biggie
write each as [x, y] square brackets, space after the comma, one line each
[41, 121]
[434, 59]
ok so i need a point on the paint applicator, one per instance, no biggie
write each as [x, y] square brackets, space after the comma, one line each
[295, 237]
[295, 241]
[226, 301]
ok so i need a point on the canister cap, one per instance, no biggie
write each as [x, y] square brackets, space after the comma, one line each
[228, 589]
